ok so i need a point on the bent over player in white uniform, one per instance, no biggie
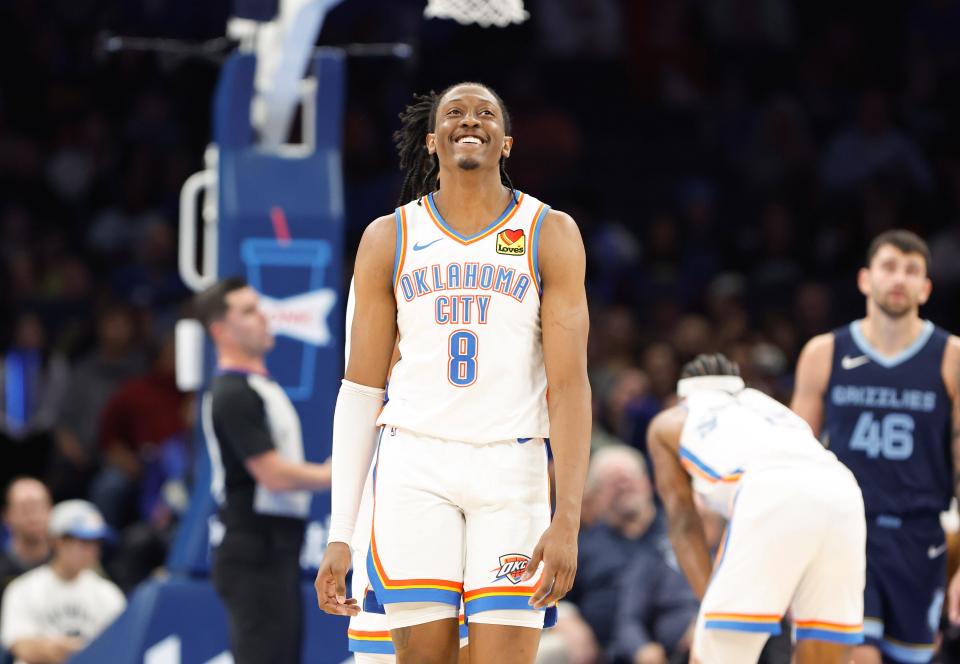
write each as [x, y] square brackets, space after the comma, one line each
[796, 534]
[481, 286]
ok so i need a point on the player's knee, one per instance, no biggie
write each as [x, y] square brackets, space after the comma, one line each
[409, 614]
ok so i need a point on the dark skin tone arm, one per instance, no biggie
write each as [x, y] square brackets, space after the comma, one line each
[565, 324]
[675, 490]
[372, 339]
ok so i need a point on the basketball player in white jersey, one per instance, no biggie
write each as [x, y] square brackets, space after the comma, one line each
[483, 285]
[796, 534]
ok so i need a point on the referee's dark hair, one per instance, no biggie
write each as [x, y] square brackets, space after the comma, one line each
[716, 364]
[210, 305]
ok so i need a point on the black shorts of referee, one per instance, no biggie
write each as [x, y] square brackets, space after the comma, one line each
[256, 572]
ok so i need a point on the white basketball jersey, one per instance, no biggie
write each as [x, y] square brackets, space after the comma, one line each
[468, 318]
[726, 436]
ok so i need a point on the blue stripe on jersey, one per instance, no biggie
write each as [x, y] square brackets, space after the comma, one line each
[535, 246]
[399, 250]
[467, 238]
[907, 654]
[743, 626]
[689, 456]
[848, 638]
[372, 647]
[888, 421]
[899, 358]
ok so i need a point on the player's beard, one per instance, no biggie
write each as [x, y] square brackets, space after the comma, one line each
[468, 164]
[894, 311]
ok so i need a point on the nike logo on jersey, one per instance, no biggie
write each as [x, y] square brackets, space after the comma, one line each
[848, 362]
[418, 247]
[935, 551]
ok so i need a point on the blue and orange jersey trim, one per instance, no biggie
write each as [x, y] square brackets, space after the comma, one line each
[743, 622]
[411, 590]
[380, 642]
[698, 468]
[389, 584]
[533, 254]
[494, 598]
[821, 630]
[499, 222]
[401, 215]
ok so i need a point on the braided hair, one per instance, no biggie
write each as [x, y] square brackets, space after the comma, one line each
[422, 169]
[716, 364]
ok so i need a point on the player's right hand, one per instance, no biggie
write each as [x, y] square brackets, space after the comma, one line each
[331, 583]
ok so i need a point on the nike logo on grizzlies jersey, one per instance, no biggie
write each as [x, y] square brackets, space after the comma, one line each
[417, 246]
[935, 551]
[848, 362]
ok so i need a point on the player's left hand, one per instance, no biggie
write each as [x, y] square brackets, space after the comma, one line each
[557, 549]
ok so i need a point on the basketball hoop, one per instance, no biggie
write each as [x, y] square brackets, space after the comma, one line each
[484, 13]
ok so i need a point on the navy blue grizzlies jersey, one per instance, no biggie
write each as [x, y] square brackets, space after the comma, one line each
[888, 420]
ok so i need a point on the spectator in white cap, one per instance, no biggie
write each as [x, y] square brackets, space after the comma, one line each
[53, 611]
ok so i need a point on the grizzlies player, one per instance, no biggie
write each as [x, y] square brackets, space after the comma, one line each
[881, 393]
[795, 539]
[484, 286]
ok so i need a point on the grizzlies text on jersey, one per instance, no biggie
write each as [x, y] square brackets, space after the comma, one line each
[888, 420]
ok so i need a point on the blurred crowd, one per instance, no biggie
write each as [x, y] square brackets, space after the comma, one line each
[726, 160]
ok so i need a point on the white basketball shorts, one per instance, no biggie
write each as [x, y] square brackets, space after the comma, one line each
[368, 632]
[796, 541]
[456, 520]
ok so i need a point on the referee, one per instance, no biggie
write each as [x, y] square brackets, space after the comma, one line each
[259, 479]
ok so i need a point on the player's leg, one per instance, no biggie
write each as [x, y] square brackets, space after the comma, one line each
[434, 641]
[822, 652]
[502, 643]
[828, 605]
[507, 512]
[415, 563]
[912, 571]
[429, 641]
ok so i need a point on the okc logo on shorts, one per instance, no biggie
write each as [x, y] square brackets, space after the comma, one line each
[512, 566]
[511, 242]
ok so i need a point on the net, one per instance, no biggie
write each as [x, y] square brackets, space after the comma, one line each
[484, 13]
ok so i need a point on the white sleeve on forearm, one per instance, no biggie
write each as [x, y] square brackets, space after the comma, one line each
[354, 437]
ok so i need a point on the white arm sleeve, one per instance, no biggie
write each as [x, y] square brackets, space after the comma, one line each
[354, 437]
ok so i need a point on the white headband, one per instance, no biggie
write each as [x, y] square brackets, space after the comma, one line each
[730, 384]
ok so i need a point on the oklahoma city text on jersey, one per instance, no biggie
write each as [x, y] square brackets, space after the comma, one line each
[468, 309]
